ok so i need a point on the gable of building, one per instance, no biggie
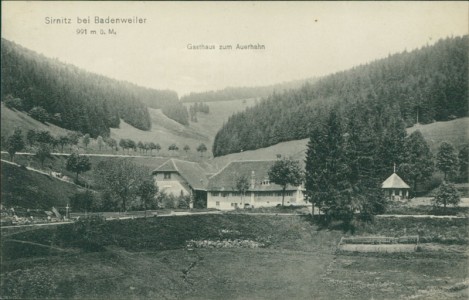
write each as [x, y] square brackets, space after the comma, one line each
[190, 172]
[394, 182]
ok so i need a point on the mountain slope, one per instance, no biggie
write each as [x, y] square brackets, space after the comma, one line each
[429, 84]
[73, 98]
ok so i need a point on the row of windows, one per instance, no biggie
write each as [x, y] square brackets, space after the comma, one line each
[217, 204]
[259, 194]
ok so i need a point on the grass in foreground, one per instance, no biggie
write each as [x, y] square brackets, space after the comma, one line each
[149, 259]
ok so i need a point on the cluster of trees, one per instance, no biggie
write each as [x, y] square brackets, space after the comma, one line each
[176, 111]
[121, 185]
[349, 156]
[198, 107]
[35, 138]
[122, 182]
[145, 196]
[72, 98]
[235, 93]
[425, 85]
[144, 147]
[43, 141]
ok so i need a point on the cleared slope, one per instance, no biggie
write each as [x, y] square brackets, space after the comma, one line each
[166, 131]
[456, 132]
[220, 111]
[10, 119]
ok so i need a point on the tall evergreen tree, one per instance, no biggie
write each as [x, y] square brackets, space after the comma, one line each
[417, 165]
[391, 144]
[362, 140]
[327, 173]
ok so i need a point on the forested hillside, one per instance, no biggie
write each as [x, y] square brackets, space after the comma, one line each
[235, 93]
[72, 98]
[428, 83]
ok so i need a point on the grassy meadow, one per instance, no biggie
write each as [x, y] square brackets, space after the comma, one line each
[294, 258]
[27, 189]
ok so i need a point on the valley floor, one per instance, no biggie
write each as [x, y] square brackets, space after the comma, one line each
[153, 259]
[238, 274]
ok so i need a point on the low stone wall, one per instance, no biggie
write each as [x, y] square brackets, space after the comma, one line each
[383, 248]
[379, 244]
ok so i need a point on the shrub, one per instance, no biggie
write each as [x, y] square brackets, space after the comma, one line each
[447, 194]
[13, 103]
[39, 113]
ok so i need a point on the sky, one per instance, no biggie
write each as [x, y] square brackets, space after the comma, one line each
[301, 39]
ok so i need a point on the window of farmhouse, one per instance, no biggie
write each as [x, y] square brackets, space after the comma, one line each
[217, 203]
[215, 194]
[167, 175]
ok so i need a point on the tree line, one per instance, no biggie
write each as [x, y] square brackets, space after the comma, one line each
[236, 93]
[176, 111]
[42, 143]
[62, 94]
[426, 85]
[198, 107]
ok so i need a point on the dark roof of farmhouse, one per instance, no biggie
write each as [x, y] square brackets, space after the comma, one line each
[225, 179]
[192, 173]
[394, 182]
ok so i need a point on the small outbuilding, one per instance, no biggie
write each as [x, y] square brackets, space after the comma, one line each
[395, 188]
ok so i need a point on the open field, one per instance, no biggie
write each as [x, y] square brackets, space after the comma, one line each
[456, 132]
[295, 149]
[220, 111]
[149, 258]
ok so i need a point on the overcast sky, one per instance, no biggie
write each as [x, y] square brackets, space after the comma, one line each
[302, 39]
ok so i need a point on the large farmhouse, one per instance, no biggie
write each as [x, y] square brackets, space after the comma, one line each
[222, 192]
[182, 178]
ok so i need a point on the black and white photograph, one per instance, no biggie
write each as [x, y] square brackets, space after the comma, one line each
[234, 150]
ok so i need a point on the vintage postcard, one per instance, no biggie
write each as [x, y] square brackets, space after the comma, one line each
[234, 150]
